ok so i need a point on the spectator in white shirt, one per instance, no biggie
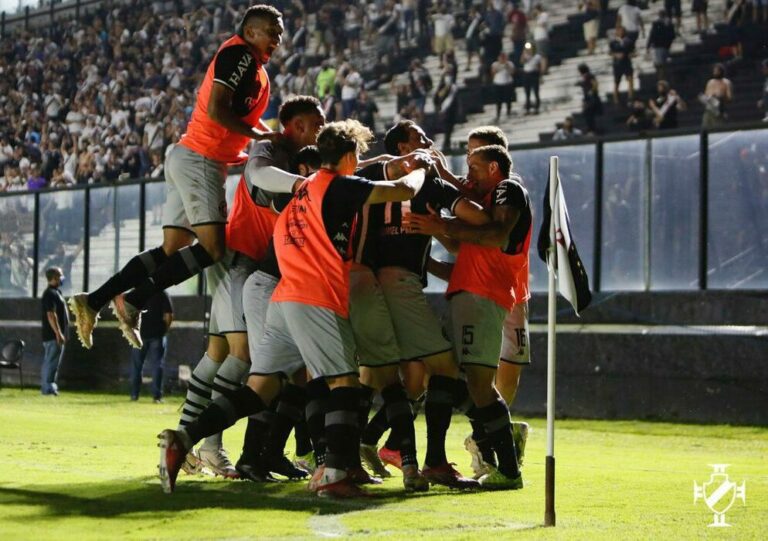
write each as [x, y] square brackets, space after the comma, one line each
[541, 35]
[443, 26]
[353, 82]
[630, 17]
[502, 73]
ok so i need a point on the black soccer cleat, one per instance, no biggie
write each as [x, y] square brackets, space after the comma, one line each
[281, 465]
[253, 470]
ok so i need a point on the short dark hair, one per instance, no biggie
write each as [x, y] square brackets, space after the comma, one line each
[338, 138]
[261, 12]
[397, 134]
[490, 135]
[52, 273]
[309, 156]
[298, 105]
[495, 153]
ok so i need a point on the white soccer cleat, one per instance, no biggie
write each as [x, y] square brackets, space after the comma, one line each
[479, 466]
[85, 318]
[370, 457]
[192, 464]
[217, 461]
[520, 432]
[128, 319]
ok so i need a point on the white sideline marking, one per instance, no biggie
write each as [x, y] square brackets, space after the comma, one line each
[327, 526]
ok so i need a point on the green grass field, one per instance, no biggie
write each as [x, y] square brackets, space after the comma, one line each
[82, 466]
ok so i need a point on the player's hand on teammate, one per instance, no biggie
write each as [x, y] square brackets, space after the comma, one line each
[417, 160]
[425, 224]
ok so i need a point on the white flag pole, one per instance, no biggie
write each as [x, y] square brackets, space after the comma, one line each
[549, 510]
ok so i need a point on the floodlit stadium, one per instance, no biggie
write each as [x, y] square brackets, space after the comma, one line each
[402, 268]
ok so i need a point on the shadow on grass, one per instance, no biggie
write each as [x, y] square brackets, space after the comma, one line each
[103, 500]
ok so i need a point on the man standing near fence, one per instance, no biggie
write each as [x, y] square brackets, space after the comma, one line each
[55, 328]
[227, 116]
[155, 324]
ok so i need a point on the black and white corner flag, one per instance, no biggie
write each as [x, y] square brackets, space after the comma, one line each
[572, 279]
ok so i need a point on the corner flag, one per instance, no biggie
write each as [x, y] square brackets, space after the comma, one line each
[572, 279]
[574, 286]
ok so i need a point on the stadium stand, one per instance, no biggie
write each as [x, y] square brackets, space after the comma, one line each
[100, 95]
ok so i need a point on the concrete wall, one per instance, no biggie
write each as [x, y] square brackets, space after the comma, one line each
[699, 357]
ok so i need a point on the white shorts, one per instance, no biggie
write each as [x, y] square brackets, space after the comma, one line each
[418, 330]
[296, 332]
[194, 190]
[515, 344]
[226, 279]
[257, 291]
[371, 323]
[477, 324]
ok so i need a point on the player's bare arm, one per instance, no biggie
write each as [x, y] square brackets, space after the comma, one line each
[220, 111]
[402, 189]
[495, 233]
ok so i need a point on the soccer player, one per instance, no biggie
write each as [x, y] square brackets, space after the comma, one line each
[481, 292]
[401, 272]
[308, 315]
[227, 116]
[515, 349]
[249, 229]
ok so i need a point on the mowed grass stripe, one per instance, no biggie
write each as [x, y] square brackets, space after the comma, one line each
[82, 466]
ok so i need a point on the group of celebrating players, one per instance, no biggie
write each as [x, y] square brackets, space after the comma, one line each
[317, 275]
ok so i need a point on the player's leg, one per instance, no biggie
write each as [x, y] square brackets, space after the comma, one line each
[225, 280]
[378, 353]
[276, 349]
[304, 457]
[200, 185]
[256, 291]
[515, 354]
[420, 334]
[478, 322]
[326, 342]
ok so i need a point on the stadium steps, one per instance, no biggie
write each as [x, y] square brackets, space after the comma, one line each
[559, 95]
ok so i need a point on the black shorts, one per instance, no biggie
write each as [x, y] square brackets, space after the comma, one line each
[622, 69]
[699, 6]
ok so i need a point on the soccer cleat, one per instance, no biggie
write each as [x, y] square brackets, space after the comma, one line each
[172, 453]
[316, 478]
[520, 435]
[282, 466]
[217, 461]
[341, 490]
[128, 319]
[305, 462]
[192, 464]
[495, 480]
[479, 466]
[371, 459]
[391, 457]
[446, 475]
[254, 471]
[85, 318]
[413, 480]
[361, 477]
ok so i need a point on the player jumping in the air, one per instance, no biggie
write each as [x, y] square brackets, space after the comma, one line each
[227, 116]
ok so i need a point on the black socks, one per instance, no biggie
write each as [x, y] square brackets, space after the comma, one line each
[138, 269]
[342, 428]
[180, 266]
[441, 396]
[224, 412]
[498, 429]
[400, 416]
[317, 404]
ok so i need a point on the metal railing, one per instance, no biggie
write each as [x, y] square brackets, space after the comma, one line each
[683, 210]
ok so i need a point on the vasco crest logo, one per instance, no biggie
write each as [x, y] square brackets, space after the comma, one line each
[719, 493]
